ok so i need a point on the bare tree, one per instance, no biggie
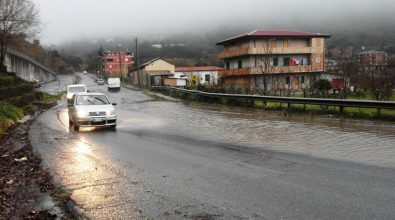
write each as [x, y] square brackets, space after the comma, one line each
[260, 82]
[17, 17]
[347, 68]
[380, 81]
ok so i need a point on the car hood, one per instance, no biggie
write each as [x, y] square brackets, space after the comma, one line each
[94, 108]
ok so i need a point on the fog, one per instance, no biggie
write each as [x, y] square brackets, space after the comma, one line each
[74, 20]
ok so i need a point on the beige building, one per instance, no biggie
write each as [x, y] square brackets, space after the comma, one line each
[205, 75]
[152, 73]
[272, 61]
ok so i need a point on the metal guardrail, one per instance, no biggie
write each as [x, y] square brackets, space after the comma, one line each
[292, 100]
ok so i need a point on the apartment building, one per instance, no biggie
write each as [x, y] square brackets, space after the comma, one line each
[117, 64]
[272, 60]
[373, 59]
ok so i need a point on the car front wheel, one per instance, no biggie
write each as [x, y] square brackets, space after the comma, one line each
[114, 127]
[76, 127]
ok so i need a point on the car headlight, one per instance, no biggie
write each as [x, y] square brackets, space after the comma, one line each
[112, 112]
[69, 95]
[82, 113]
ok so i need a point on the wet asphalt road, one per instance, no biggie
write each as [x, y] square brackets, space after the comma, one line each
[171, 160]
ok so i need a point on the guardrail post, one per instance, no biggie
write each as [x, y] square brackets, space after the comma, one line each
[289, 105]
[378, 111]
[341, 109]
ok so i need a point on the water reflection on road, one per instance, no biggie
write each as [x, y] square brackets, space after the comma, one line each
[164, 161]
[371, 142]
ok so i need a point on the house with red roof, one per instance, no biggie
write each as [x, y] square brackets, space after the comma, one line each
[272, 61]
[204, 75]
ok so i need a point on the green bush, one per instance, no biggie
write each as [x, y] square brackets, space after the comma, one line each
[321, 88]
[9, 114]
[30, 109]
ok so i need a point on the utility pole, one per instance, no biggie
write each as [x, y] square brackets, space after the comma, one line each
[120, 62]
[100, 56]
[138, 63]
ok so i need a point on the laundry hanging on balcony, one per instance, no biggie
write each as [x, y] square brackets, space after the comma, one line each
[296, 62]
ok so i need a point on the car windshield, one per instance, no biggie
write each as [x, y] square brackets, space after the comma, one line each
[92, 100]
[77, 89]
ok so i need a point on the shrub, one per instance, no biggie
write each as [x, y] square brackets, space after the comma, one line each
[321, 88]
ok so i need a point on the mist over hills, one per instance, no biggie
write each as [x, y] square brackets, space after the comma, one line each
[198, 47]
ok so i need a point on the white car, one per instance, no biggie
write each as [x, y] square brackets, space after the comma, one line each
[114, 84]
[73, 89]
[91, 110]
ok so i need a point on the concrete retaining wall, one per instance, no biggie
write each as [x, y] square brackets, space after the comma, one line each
[27, 68]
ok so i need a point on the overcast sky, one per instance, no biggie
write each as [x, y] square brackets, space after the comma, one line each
[67, 20]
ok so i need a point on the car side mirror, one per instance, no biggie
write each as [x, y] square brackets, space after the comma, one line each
[114, 103]
[88, 91]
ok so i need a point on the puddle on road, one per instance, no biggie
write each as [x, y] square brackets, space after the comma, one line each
[370, 142]
[133, 101]
[362, 141]
[138, 121]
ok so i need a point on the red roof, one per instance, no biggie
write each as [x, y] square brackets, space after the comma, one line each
[274, 34]
[198, 68]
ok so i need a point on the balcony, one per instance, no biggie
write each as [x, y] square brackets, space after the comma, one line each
[272, 70]
[232, 52]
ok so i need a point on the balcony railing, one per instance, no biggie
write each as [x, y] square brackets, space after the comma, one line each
[235, 52]
[271, 70]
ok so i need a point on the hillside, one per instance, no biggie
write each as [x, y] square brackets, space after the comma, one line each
[17, 98]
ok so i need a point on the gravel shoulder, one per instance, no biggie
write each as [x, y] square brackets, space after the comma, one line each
[25, 187]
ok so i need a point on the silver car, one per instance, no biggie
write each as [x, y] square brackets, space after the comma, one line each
[91, 110]
[100, 82]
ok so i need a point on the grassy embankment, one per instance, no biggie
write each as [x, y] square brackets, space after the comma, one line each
[18, 98]
[352, 112]
[369, 113]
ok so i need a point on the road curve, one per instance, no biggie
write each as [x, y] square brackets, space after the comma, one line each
[173, 160]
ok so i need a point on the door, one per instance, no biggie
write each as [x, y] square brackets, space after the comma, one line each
[295, 83]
